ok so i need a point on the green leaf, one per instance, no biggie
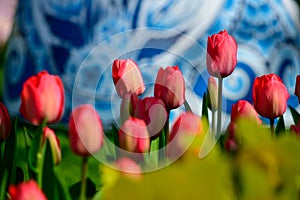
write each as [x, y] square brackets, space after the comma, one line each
[205, 106]
[280, 127]
[51, 185]
[75, 189]
[295, 114]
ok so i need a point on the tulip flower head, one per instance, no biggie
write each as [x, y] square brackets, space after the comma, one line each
[49, 134]
[221, 54]
[127, 77]
[213, 93]
[133, 136]
[129, 167]
[42, 97]
[4, 122]
[26, 191]
[152, 110]
[85, 130]
[170, 87]
[243, 109]
[297, 87]
[269, 96]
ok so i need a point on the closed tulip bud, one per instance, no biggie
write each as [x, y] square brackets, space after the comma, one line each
[48, 134]
[221, 54]
[297, 87]
[133, 136]
[4, 123]
[85, 130]
[170, 87]
[243, 109]
[127, 77]
[26, 191]
[269, 96]
[213, 93]
[152, 110]
[42, 97]
[185, 128]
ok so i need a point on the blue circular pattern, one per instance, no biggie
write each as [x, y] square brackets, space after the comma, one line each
[60, 36]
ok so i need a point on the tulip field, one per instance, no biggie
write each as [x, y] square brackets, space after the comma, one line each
[146, 154]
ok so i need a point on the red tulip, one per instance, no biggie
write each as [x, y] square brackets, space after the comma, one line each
[85, 130]
[297, 88]
[296, 128]
[127, 77]
[42, 98]
[243, 109]
[170, 87]
[187, 124]
[26, 191]
[152, 110]
[133, 136]
[49, 134]
[221, 54]
[269, 96]
[4, 122]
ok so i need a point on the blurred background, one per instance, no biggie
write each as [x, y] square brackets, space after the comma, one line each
[79, 40]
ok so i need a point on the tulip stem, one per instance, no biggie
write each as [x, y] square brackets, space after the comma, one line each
[272, 128]
[220, 82]
[163, 140]
[84, 169]
[40, 155]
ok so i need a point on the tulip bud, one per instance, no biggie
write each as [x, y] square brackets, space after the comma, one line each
[170, 87]
[243, 109]
[297, 87]
[269, 96]
[85, 130]
[4, 123]
[42, 97]
[213, 93]
[127, 77]
[26, 191]
[152, 110]
[54, 144]
[221, 54]
[133, 136]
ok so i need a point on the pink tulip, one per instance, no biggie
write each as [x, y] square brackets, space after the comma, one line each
[269, 96]
[26, 191]
[129, 167]
[170, 87]
[4, 122]
[85, 130]
[152, 110]
[127, 77]
[243, 109]
[221, 54]
[48, 134]
[187, 124]
[133, 136]
[42, 98]
[297, 87]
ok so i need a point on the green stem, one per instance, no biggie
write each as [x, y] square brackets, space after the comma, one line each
[213, 121]
[40, 155]
[220, 81]
[84, 169]
[272, 128]
[163, 140]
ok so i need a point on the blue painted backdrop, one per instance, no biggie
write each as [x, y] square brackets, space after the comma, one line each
[80, 39]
